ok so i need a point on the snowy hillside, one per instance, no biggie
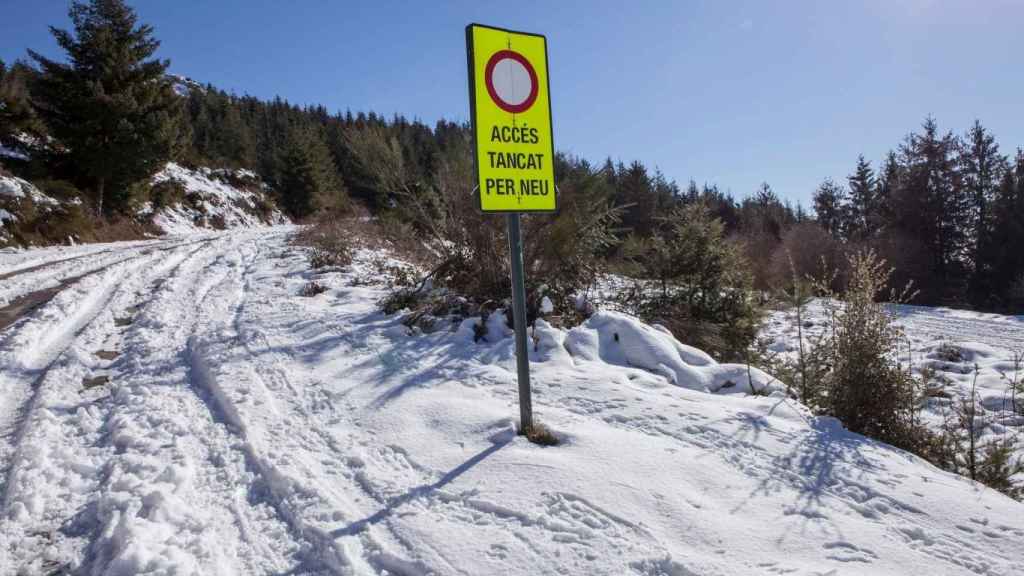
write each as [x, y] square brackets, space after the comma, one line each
[217, 199]
[185, 411]
[191, 200]
[18, 196]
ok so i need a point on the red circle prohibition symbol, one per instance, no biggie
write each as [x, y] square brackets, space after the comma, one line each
[489, 77]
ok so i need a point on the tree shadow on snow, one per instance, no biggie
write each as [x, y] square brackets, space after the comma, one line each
[827, 469]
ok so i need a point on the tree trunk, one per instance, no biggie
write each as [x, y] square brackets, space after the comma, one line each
[99, 195]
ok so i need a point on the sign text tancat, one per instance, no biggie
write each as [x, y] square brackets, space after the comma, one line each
[511, 112]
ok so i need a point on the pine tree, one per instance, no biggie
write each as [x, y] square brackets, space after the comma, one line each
[309, 181]
[235, 143]
[111, 108]
[932, 205]
[16, 114]
[829, 206]
[982, 167]
[1007, 257]
[863, 213]
[666, 193]
[887, 183]
[636, 192]
[610, 176]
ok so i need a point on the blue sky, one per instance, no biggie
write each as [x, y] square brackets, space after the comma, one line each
[735, 93]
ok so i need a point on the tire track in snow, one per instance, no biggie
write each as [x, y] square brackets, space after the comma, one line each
[288, 475]
[924, 324]
[177, 490]
[41, 263]
[30, 352]
[52, 464]
[58, 274]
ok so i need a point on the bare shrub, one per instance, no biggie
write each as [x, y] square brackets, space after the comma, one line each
[808, 251]
[949, 353]
[1015, 382]
[466, 250]
[540, 434]
[328, 242]
[118, 229]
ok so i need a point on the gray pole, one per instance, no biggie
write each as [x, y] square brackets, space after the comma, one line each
[515, 251]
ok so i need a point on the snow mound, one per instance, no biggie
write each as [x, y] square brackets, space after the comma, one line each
[622, 340]
[214, 198]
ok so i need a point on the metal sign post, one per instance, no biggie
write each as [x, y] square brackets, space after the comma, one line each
[514, 152]
[515, 252]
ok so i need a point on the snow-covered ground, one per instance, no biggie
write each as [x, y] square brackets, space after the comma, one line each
[963, 349]
[245, 429]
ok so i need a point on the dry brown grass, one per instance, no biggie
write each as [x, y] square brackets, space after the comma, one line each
[329, 242]
[540, 434]
[122, 229]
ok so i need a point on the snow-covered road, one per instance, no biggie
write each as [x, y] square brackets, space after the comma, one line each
[244, 429]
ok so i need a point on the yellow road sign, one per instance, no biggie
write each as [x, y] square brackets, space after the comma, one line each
[510, 106]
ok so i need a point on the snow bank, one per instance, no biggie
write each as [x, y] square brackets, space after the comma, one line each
[618, 339]
[19, 147]
[622, 340]
[212, 201]
[651, 478]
